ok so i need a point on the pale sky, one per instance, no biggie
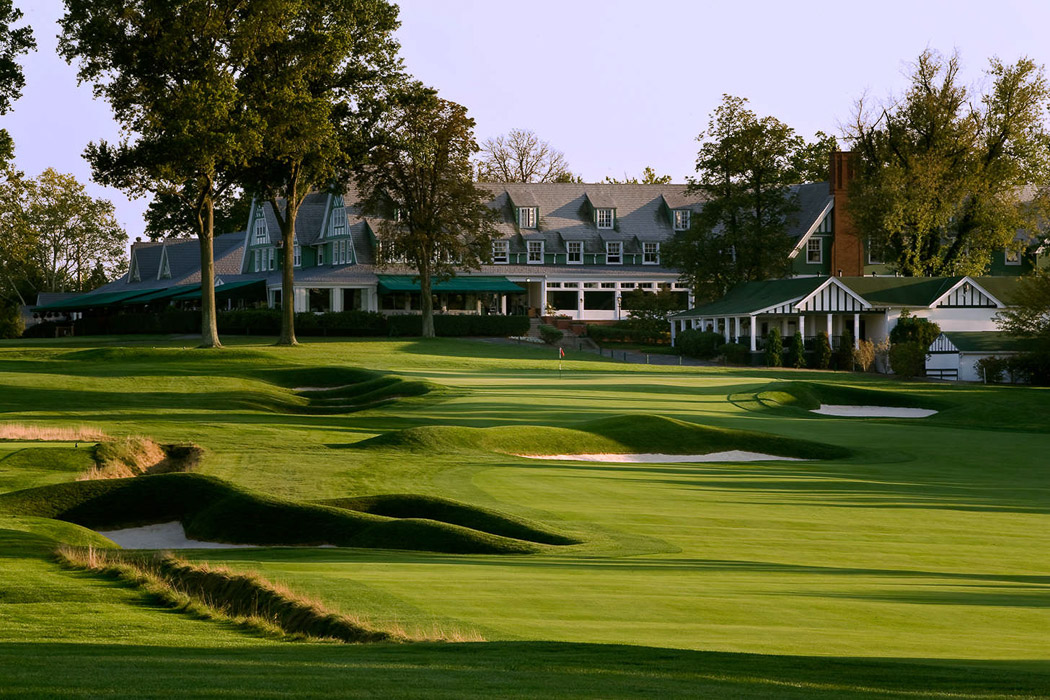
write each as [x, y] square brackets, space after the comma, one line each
[615, 84]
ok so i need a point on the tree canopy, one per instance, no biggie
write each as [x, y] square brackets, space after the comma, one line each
[316, 87]
[522, 156]
[420, 180]
[944, 176]
[649, 177]
[744, 170]
[14, 41]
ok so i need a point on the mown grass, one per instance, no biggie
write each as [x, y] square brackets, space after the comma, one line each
[809, 396]
[912, 567]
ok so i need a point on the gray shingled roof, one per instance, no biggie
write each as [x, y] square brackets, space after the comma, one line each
[308, 222]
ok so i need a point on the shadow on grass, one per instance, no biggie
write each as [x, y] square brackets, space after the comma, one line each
[500, 669]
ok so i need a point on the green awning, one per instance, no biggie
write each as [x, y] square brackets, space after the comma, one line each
[92, 301]
[409, 283]
[161, 294]
[223, 289]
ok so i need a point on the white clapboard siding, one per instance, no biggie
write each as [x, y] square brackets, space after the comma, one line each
[966, 294]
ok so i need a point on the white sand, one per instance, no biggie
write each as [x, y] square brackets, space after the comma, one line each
[162, 536]
[873, 411]
[655, 458]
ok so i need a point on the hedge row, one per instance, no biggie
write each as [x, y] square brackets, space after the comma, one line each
[627, 334]
[268, 322]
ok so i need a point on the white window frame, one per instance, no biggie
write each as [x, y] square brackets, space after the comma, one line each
[872, 260]
[681, 219]
[338, 220]
[530, 247]
[651, 253]
[1015, 253]
[297, 256]
[527, 217]
[260, 229]
[258, 260]
[500, 252]
[609, 255]
[819, 251]
[600, 218]
[271, 259]
[569, 245]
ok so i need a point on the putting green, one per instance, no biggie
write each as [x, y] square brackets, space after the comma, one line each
[918, 540]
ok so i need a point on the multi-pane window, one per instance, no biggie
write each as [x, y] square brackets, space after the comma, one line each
[501, 252]
[320, 255]
[681, 219]
[613, 253]
[873, 257]
[271, 259]
[535, 252]
[258, 260]
[604, 218]
[338, 220]
[815, 251]
[260, 228]
[1013, 256]
[651, 253]
[527, 217]
[574, 250]
[297, 256]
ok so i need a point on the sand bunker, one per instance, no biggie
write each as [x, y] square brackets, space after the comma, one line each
[656, 458]
[873, 411]
[162, 536]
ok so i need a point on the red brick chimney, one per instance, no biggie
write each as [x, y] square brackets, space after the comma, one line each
[847, 250]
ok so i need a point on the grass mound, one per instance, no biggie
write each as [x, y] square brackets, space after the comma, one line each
[219, 593]
[345, 389]
[452, 512]
[213, 510]
[134, 456]
[615, 435]
[809, 396]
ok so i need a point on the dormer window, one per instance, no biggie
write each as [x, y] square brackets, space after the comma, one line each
[613, 252]
[1013, 257]
[535, 253]
[501, 252]
[258, 260]
[320, 255]
[527, 217]
[297, 256]
[135, 277]
[651, 253]
[165, 269]
[338, 221]
[681, 219]
[604, 218]
[260, 229]
[574, 252]
[815, 251]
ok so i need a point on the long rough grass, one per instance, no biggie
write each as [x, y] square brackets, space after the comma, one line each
[47, 433]
[247, 599]
[134, 456]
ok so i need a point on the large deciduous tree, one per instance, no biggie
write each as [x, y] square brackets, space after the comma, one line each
[649, 177]
[14, 41]
[744, 171]
[522, 156]
[420, 180]
[943, 176]
[169, 69]
[316, 87]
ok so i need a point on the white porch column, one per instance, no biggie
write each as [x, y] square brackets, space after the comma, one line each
[579, 302]
[725, 320]
[754, 333]
[693, 323]
[503, 304]
[674, 330]
[830, 334]
[736, 320]
[543, 297]
[802, 326]
[335, 299]
[784, 327]
[617, 301]
[856, 330]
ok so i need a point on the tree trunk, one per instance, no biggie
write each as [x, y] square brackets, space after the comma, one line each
[288, 271]
[426, 303]
[209, 325]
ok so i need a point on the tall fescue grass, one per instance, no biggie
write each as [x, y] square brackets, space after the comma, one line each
[245, 599]
[133, 456]
[45, 433]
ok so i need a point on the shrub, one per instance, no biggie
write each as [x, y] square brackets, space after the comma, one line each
[700, 344]
[737, 354]
[991, 368]
[864, 355]
[774, 348]
[797, 354]
[1030, 368]
[550, 335]
[845, 358]
[11, 323]
[627, 332]
[823, 351]
[648, 311]
[908, 359]
[250, 321]
[450, 325]
[910, 329]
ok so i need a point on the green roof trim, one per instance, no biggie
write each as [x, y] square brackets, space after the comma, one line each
[986, 341]
[159, 294]
[91, 301]
[750, 297]
[901, 291]
[409, 283]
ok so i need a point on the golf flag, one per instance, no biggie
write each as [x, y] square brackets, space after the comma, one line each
[561, 353]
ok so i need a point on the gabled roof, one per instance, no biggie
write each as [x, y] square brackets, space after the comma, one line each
[901, 291]
[308, 222]
[752, 297]
[984, 341]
